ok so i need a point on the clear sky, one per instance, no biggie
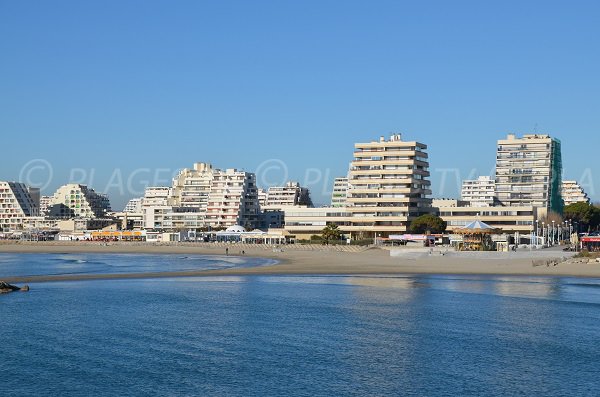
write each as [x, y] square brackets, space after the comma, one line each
[117, 94]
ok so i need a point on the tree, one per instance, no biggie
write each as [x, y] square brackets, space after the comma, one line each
[428, 223]
[586, 215]
[331, 232]
[551, 216]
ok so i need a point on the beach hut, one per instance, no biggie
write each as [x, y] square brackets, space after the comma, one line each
[477, 236]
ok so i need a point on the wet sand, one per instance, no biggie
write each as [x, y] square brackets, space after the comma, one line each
[295, 261]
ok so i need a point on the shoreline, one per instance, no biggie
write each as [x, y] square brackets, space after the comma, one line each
[298, 261]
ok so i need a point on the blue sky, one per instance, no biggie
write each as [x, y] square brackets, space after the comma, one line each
[120, 93]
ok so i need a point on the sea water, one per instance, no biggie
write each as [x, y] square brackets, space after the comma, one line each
[406, 335]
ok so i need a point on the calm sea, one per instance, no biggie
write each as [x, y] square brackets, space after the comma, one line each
[293, 336]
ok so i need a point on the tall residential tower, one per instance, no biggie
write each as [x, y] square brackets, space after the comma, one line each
[529, 171]
[389, 185]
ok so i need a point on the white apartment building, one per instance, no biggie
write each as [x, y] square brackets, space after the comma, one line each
[155, 204]
[339, 194]
[191, 187]
[233, 200]
[480, 192]
[529, 171]
[17, 202]
[156, 195]
[573, 193]
[389, 186]
[78, 201]
[288, 195]
[203, 198]
[134, 206]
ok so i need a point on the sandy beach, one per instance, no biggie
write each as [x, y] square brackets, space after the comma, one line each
[302, 261]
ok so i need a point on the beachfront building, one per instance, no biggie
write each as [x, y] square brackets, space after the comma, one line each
[290, 194]
[573, 193]
[78, 201]
[156, 196]
[155, 204]
[508, 219]
[45, 202]
[17, 202]
[233, 200]
[388, 186]
[529, 172]
[134, 206]
[480, 192]
[191, 187]
[303, 222]
[339, 193]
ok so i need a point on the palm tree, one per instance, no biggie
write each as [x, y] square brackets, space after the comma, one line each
[331, 232]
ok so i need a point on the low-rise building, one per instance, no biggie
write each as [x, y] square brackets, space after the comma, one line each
[509, 219]
[303, 222]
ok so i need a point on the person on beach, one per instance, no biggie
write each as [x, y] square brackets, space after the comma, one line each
[226, 251]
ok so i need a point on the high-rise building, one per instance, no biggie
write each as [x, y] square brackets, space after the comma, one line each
[389, 186]
[339, 193]
[290, 194]
[78, 201]
[233, 200]
[529, 171]
[17, 201]
[480, 192]
[573, 193]
[191, 187]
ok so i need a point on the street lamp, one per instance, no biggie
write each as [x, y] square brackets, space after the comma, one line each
[537, 231]
[553, 232]
[544, 232]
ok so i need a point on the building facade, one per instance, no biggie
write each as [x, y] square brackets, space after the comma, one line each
[45, 202]
[509, 219]
[302, 222]
[191, 187]
[78, 201]
[290, 194]
[529, 172]
[233, 200]
[339, 194]
[388, 186]
[17, 202]
[573, 193]
[480, 192]
[134, 206]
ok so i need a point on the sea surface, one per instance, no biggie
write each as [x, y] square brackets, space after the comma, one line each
[407, 335]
